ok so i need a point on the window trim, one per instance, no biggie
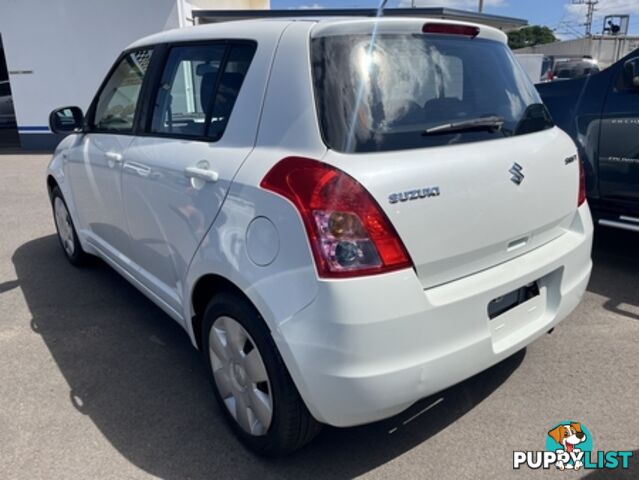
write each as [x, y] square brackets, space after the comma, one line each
[90, 126]
[145, 122]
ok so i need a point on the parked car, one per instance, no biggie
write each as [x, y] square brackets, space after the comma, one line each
[566, 69]
[345, 215]
[601, 114]
[537, 65]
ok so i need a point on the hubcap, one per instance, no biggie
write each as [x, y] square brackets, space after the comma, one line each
[65, 228]
[240, 376]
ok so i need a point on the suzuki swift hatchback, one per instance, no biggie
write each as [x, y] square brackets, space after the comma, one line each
[345, 215]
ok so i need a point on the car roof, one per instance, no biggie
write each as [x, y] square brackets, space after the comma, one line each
[265, 27]
[231, 29]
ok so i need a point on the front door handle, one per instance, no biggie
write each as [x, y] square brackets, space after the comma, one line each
[113, 156]
[202, 173]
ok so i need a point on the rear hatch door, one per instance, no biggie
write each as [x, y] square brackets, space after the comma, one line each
[442, 126]
[459, 209]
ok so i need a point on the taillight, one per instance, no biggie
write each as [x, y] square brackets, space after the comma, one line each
[451, 29]
[348, 232]
[581, 197]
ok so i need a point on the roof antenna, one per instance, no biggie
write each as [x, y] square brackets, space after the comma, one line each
[380, 9]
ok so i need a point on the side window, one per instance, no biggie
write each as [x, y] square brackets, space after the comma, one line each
[186, 90]
[237, 65]
[628, 76]
[198, 89]
[116, 106]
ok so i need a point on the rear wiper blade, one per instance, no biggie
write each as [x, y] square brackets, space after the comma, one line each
[491, 122]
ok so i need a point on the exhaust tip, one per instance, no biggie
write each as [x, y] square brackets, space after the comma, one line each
[551, 330]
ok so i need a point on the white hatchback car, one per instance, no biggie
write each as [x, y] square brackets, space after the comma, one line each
[345, 215]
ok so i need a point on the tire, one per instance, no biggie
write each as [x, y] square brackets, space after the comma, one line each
[66, 230]
[234, 339]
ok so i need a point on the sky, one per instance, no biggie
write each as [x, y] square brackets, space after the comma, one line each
[560, 15]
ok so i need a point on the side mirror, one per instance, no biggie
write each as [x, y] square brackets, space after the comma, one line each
[66, 120]
[631, 74]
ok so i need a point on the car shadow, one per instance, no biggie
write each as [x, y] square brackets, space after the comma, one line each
[616, 266]
[133, 371]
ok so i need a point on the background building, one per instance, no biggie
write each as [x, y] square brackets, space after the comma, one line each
[605, 49]
[58, 51]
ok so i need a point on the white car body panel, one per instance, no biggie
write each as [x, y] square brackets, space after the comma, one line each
[169, 213]
[97, 186]
[395, 25]
[358, 349]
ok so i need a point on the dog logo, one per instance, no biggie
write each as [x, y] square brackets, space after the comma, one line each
[568, 436]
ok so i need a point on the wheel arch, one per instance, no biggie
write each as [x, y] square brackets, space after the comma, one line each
[51, 184]
[205, 288]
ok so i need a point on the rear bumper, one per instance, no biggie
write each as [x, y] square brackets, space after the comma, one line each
[368, 348]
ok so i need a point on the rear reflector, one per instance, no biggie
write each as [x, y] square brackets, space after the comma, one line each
[451, 29]
[581, 198]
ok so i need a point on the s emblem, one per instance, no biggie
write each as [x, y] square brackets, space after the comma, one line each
[516, 172]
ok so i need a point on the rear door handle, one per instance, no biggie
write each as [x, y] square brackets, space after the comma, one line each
[202, 173]
[138, 168]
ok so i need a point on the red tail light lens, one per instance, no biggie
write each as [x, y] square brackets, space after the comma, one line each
[581, 198]
[451, 29]
[349, 234]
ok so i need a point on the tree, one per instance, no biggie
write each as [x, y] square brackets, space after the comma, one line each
[530, 36]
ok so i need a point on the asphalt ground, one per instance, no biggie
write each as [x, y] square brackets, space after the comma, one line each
[96, 382]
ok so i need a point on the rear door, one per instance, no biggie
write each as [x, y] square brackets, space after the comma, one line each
[619, 140]
[177, 172]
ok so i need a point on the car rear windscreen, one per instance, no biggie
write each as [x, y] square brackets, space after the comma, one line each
[379, 93]
[567, 70]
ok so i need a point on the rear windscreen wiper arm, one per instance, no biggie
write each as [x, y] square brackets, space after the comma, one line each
[491, 123]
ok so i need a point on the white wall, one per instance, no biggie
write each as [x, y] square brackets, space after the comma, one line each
[230, 4]
[69, 45]
[60, 50]
[606, 50]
